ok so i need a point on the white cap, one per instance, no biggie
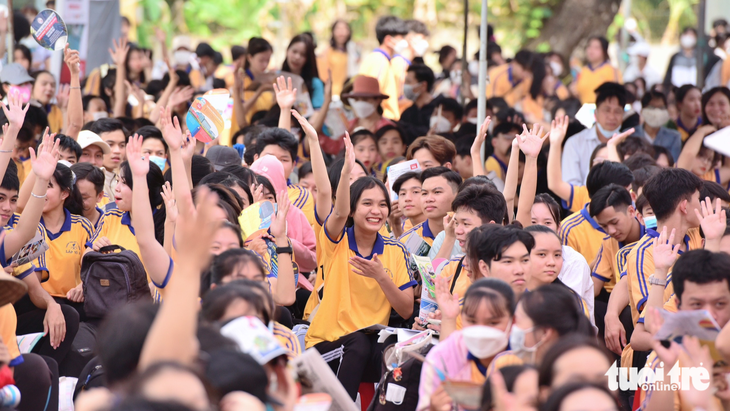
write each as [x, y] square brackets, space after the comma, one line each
[87, 138]
[640, 49]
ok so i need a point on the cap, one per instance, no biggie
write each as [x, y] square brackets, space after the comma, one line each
[182, 42]
[365, 86]
[87, 138]
[640, 49]
[254, 339]
[11, 289]
[228, 371]
[15, 74]
[222, 156]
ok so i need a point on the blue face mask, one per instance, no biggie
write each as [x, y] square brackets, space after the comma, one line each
[159, 162]
[607, 133]
[650, 222]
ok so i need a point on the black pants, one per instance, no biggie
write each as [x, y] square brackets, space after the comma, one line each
[361, 359]
[32, 322]
[37, 380]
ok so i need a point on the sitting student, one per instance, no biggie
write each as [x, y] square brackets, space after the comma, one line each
[450, 116]
[546, 262]
[391, 143]
[69, 149]
[501, 141]
[613, 209]
[90, 183]
[359, 256]
[154, 146]
[472, 353]
[432, 151]
[655, 115]
[439, 186]
[700, 282]
[580, 230]
[542, 317]
[93, 149]
[473, 207]
[463, 161]
[408, 187]
[284, 146]
[500, 252]
[366, 150]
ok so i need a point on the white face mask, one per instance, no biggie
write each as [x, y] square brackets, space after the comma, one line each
[607, 133]
[557, 68]
[472, 120]
[484, 342]
[440, 124]
[100, 114]
[474, 68]
[455, 77]
[687, 41]
[362, 109]
[655, 117]
[181, 57]
[420, 47]
[159, 162]
[517, 344]
[409, 93]
[400, 46]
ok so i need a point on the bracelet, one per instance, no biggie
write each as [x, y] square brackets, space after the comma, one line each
[655, 281]
[74, 88]
[6, 151]
[284, 250]
[37, 196]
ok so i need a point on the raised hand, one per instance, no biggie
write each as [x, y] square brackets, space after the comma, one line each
[62, 96]
[309, 130]
[665, 252]
[119, 51]
[14, 112]
[278, 226]
[257, 191]
[481, 137]
[72, 60]
[448, 303]
[171, 130]
[619, 138]
[558, 129]
[349, 155]
[285, 94]
[181, 95]
[188, 147]
[170, 203]
[44, 164]
[197, 230]
[713, 222]
[139, 164]
[238, 76]
[530, 142]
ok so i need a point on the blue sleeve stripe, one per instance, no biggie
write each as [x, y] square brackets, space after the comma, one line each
[324, 227]
[408, 285]
[600, 277]
[167, 276]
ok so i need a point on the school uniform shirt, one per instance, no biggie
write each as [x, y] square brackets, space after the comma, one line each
[686, 130]
[8, 323]
[302, 199]
[712, 175]
[288, 340]
[458, 284]
[318, 291]
[502, 84]
[352, 301]
[578, 198]
[335, 62]
[581, 232]
[640, 265]
[590, 78]
[378, 65]
[497, 166]
[421, 230]
[611, 264]
[65, 251]
[55, 118]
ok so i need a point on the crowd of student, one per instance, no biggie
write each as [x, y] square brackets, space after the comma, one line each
[553, 249]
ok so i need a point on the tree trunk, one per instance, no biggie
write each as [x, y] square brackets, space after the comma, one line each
[573, 21]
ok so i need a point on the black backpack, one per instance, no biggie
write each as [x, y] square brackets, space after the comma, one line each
[408, 377]
[112, 279]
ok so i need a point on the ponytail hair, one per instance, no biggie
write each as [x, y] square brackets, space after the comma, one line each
[155, 181]
[67, 182]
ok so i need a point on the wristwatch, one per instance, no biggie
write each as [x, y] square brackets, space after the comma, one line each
[654, 281]
[284, 250]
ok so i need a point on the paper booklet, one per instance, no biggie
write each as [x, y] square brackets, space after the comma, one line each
[398, 170]
[719, 141]
[697, 323]
[32, 250]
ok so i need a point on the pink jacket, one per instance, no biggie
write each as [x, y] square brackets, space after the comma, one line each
[299, 231]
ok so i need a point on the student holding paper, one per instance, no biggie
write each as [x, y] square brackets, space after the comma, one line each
[366, 275]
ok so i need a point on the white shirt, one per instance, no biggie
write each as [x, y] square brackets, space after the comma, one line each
[577, 156]
[576, 274]
[649, 75]
[438, 242]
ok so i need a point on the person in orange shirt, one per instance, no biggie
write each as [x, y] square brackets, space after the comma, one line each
[598, 70]
[340, 59]
[390, 31]
[519, 83]
[417, 46]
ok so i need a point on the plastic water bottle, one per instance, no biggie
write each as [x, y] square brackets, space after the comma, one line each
[9, 396]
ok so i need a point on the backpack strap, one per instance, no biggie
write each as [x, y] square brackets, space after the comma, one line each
[456, 276]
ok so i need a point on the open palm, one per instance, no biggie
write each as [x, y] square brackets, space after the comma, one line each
[14, 111]
[171, 130]
[285, 94]
[44, 164]
[138, 163]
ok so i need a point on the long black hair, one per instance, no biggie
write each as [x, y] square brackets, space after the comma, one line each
[309, 70]
[358, 187]
[333, 43]
[536, 65]
[256, 45]
[155, 181]
[66, 182]
[134, 48]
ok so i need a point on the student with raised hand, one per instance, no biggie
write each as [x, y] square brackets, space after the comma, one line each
[530, 143]
[366, 275]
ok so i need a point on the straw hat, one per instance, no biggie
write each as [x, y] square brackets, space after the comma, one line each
[11, 289]
[366, 87]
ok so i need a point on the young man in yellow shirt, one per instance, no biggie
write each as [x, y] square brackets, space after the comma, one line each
[390, 31]
[503, 134]
[417, 46]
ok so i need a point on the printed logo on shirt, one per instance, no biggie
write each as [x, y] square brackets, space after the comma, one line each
[390, 273]
[72, 247]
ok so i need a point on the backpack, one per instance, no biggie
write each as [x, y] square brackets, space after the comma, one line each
[399, 391]
[112, 279]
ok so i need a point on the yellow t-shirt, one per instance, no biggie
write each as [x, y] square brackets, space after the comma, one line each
[712, 175]
[463, 282]
[333, 61]
[351, 301]
[64, 254]
[611, 264]
[640, 265]
[265, 101]
[378, 65]
[589, 79]
[288, 340]
[55, 118]
[302, 199]
[8, 323]
[580, 231]
[422, 230]
[496, 165]
[502, 84]
[578, 198]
